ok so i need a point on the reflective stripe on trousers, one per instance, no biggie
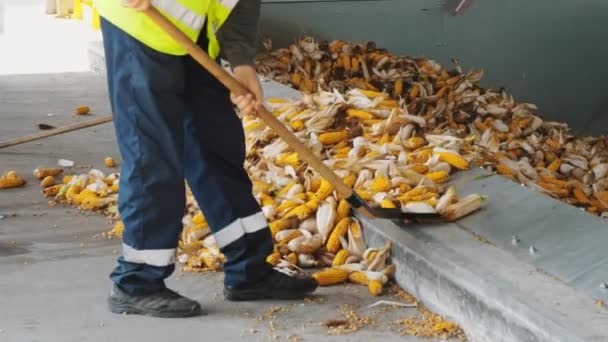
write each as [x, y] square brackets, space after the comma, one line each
[173, 120]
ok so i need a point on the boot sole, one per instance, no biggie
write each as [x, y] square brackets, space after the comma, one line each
[123, 308]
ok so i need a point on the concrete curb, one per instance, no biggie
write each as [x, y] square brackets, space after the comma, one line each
[492, 295]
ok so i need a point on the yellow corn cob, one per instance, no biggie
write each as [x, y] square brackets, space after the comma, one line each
[438, 177]
[333, 242]
[355, 64]
[43, 172]
[52, 190]
[252, 126]
[260, 186]
[114, 187]
[346, 63]
[365, 194]
[278, 225]
[266, 200]
[414, 143]
[292, 258]
[398, 88]
[343, 210]
[350, 179]
[330, 276]
[340, 257]
[358, 278]
[371, 256]
[325, 189]
[380, 184]
[288, 159]
[375, 287]
[386, 138]
[47, 181]
[285, 239]
[453, 159]
[359, 114]
[388, 104]
[199, 219]
[315, 184]
[330, 138]
[109, 162]
[387, 204]
[296, 79]
[372, 94]
[297, 125]
[11, 182]
[274, 258]
[304, 210]
[67, 179]
[286, 188]
[554, 166]
[93, 202]
[73, 191]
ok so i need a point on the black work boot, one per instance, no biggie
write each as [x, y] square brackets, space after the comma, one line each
[276, 285]
[164, 303]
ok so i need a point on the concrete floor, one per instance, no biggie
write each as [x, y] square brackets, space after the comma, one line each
[55, 266]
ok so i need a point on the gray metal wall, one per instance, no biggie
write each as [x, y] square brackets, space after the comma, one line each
[549, 52]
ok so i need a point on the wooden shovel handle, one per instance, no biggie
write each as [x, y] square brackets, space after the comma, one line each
[56, 131]
[237, 88]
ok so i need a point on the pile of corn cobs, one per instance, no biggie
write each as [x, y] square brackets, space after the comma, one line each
[369, 140]
[505, 135]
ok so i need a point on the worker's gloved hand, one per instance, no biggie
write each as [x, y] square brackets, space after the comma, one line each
[248, 105]
[140, 5]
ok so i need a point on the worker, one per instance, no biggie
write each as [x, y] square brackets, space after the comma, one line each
[173, 121]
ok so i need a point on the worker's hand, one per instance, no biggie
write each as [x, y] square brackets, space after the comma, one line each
[140, 5]
[251, 103]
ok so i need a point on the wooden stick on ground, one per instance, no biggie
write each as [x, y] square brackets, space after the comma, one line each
[56, 131]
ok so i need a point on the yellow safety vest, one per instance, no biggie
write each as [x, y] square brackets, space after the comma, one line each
[188, 15]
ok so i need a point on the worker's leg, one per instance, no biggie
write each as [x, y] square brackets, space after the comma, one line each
[214, 157]
[145, 89]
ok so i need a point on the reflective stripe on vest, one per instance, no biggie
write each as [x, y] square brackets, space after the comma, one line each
[188, 15]
[180, 12]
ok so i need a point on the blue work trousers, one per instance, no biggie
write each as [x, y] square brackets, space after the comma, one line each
[174, 121]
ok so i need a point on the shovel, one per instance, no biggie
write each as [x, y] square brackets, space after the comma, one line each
[303, 152]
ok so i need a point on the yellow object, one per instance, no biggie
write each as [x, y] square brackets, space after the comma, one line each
[11, 180]
[380, 184]
[67, 179]
[297, 125]
[453, 159]
[288, 159]
[330, 276]
[304, 210]
[375, 287]
[278, 225]
[292, 258]
[359, 114]
[109, 162]
[52, 190]
[325, 189]
[387, 204]
[274, 258]
[47, 181]
[340, 257]
[343, 210]
[82, 110]
[358, 278]
[438, 177]
[43, 172]
[330, 138]
[188, 15]
[333, 242]
[414, 143]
